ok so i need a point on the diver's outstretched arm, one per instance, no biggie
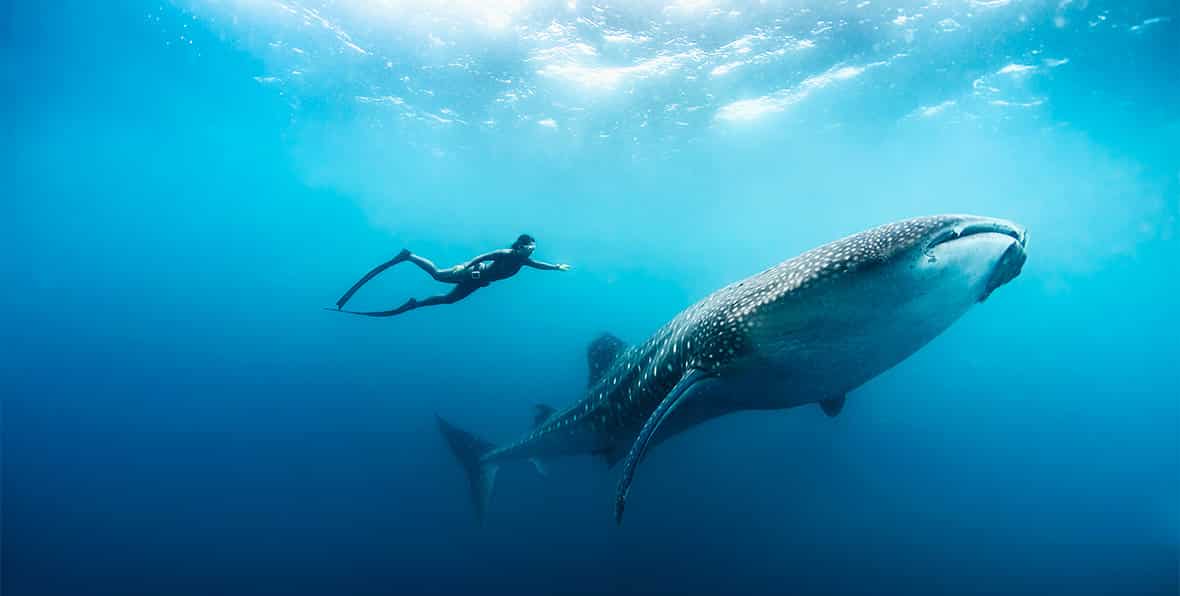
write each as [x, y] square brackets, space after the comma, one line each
[547, 266]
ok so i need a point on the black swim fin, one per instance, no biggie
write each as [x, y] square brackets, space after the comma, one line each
[401, 256]
[411, 304]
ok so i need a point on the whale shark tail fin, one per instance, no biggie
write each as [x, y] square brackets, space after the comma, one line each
[469, 450]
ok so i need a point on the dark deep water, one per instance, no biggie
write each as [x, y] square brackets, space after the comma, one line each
[185, 191]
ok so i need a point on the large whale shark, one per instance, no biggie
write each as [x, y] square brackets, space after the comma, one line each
[807, 330]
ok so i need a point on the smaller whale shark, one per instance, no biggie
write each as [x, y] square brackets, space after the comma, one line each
[807, 330]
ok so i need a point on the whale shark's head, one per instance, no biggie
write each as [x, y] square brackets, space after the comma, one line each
[966, 255]
[856, 306]
[972, 249]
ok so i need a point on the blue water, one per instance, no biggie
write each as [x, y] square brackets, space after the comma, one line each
[187, 184]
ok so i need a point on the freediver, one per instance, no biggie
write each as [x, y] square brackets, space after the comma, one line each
[467, 277]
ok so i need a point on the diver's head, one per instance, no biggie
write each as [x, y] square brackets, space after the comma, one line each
[524, 245]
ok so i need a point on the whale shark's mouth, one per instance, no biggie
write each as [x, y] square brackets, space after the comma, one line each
[975, 228]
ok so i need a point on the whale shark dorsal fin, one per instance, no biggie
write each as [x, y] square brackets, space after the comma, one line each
[832, 405]
[541, 413]
[600, 354]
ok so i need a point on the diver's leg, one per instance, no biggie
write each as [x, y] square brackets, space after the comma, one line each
[443, 275]
[401, 256]
[460, 292]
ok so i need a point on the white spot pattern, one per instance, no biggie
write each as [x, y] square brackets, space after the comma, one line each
[715, 331]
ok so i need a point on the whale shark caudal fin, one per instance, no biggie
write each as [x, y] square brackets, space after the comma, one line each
[688, 385]
[832, 406]
[469, 449]
[600, 354]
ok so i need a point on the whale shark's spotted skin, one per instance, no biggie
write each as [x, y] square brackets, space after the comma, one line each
[807, 330]
[706, 336]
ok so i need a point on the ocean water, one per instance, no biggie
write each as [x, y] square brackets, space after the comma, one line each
[188, 183]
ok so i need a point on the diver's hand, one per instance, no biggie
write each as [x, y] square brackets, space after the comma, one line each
[563, 267]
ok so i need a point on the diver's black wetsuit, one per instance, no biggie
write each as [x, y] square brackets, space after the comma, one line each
[467, 277]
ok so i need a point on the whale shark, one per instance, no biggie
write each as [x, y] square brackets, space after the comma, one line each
[807, 330]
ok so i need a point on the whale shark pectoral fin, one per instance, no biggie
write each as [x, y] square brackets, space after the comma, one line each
[684, 389]
[833, 405]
